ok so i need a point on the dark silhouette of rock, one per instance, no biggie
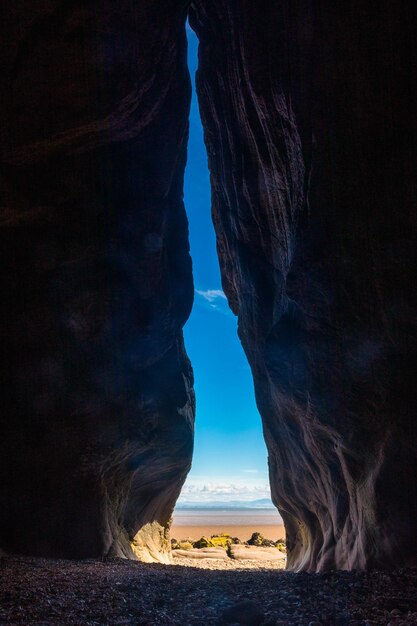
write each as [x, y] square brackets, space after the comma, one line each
[309, 115]
[256, 540]
[97, 400]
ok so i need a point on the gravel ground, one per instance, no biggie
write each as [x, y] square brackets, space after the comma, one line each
[115, 592]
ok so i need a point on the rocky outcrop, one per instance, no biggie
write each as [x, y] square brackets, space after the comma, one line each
[309, 109]
[97, 401]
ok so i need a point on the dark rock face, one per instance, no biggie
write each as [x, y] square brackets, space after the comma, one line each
[97, 402]
[309, 113]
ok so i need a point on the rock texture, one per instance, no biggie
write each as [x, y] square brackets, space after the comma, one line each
[97, 402]
[201, 553]
[256, 553]
[309, 115]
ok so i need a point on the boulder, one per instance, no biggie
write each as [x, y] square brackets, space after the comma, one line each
[256, 540]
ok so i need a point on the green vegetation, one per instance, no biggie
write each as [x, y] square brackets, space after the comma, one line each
[225, 541]
[215, 541]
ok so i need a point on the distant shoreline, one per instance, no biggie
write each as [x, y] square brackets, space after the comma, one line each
[243, 532]
[260, 503]
[227, 517]
[195, 522]
[216, 507]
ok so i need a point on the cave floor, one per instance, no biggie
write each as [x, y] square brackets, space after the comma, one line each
[115, 592]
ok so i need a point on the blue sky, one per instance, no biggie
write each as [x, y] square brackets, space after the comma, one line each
[230, 459]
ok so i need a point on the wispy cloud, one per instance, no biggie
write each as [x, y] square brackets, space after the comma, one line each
[213, 299]
[211, 295]
[251, 471]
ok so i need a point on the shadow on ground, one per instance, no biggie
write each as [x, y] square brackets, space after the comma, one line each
[115, 592]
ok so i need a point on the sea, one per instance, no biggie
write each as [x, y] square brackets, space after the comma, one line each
[226, 517]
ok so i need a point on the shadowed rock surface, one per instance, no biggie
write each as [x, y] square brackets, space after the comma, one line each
[97, 402]
[309, 112]
[309, 115]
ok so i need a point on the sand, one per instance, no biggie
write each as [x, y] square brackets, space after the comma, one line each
[244, 533]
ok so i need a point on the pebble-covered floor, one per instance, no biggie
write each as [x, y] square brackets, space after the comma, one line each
[116, 592]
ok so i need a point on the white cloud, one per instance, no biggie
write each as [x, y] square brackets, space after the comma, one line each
[198, 491]
[214, 300]
[251, 471]
[211, 295]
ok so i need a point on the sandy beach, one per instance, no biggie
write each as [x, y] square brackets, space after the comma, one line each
[238, 522]
[243, 532]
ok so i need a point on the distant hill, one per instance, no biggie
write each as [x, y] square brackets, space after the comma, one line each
[261, 503]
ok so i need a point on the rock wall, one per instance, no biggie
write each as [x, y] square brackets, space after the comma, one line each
[309, 115]
[97, 402]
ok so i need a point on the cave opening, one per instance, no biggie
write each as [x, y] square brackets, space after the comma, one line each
[227, 490]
